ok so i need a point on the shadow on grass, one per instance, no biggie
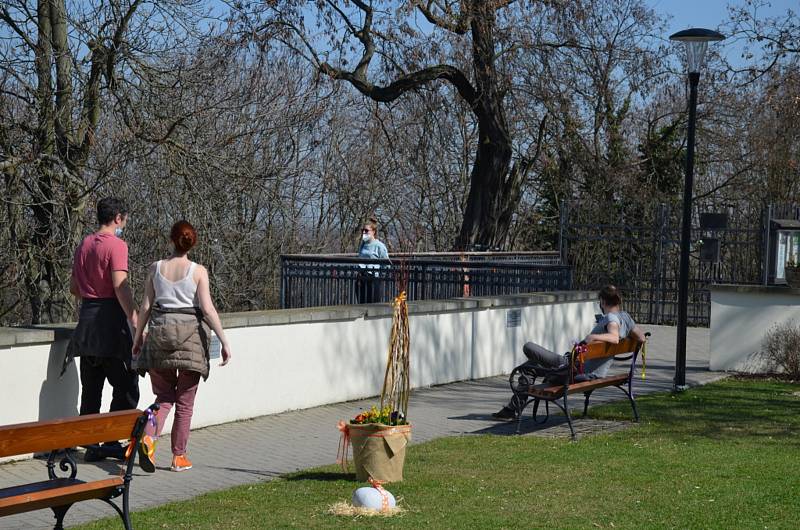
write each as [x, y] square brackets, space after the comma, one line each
[509, 428]
[321, 476]
[726, 410]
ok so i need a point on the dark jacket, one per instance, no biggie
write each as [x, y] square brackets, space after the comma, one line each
[102, 331]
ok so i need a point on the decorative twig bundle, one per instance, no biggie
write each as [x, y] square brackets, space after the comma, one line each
[396, 381]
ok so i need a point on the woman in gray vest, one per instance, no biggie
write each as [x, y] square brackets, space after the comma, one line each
[178, 307]
[613, 326]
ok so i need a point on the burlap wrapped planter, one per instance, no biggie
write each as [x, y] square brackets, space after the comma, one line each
[792, 275]
[379, 451]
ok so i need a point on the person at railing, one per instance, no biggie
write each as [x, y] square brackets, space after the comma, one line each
[613, 325]
[369, 248]
[177, 304]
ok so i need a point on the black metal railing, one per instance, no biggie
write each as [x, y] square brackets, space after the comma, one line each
[642, 257]
[322, 280]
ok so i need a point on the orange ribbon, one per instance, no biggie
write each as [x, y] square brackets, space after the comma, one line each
[149, 449]
[131, 445]
[378, 485]
[344, 444]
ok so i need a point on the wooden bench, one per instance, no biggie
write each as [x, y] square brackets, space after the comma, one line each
[60, 493]
[629, 348]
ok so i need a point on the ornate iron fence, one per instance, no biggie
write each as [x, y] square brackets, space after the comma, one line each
[641, 257]
[322, 280]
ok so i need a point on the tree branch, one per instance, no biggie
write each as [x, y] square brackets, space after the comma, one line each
[365, 36]
[500, 4]
[63, 61]
[407, 82]
[6, 16]
[116, 41]
[103, 58]
[459, 26]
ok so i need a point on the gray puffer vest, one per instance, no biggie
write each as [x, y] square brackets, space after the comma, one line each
[177, 339]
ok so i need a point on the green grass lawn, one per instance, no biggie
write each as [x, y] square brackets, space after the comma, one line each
[720, 456]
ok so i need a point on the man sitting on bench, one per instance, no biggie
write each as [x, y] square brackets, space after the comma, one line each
[614, 325]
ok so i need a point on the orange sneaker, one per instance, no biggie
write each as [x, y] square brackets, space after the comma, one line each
[180, 463]
[147, 450]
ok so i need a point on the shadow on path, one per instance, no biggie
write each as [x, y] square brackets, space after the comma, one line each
[322, 476]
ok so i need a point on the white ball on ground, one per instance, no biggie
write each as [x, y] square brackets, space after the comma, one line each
[369, 497]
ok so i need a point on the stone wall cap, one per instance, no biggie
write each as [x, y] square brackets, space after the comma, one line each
[764, 289]
[49, 332]
[25, 336]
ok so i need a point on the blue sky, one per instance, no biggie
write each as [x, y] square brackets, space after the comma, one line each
[710, 13]
[713, 13]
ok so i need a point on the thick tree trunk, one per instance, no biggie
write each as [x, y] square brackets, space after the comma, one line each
[34, 247]
[494, 188]
[484, 222]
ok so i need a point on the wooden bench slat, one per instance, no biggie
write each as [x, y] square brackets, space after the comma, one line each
[37, 437]
[602, 350]
[547, 390]
[52, 494]
[14, 491]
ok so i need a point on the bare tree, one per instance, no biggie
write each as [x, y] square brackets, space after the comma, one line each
[58, 65]
[769, 41]
[411, 42]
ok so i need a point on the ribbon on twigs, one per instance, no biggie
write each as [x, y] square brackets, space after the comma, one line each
[344, 444]
[400, 298]
[644, 359]
[578, 353]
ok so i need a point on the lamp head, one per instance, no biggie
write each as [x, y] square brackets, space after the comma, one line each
[696, 40]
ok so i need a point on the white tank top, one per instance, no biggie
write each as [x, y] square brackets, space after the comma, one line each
[175, 295]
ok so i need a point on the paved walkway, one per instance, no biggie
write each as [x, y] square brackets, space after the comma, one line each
[262, 448]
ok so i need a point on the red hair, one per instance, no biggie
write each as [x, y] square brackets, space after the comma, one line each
[183, 236]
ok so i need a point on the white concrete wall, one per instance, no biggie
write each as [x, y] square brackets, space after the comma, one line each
[280, 367]
[498, 349]
[741, 317]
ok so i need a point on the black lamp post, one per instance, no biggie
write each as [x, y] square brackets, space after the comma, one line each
[696, 40]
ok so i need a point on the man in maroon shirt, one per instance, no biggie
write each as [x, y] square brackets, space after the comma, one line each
[103, 336]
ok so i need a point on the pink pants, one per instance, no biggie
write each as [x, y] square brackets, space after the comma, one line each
[177, 387]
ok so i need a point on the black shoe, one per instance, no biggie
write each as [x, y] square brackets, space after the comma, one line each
[113, 450]
[506, 413]
[93, 454]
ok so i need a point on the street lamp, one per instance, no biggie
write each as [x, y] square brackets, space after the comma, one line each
[696, 40]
